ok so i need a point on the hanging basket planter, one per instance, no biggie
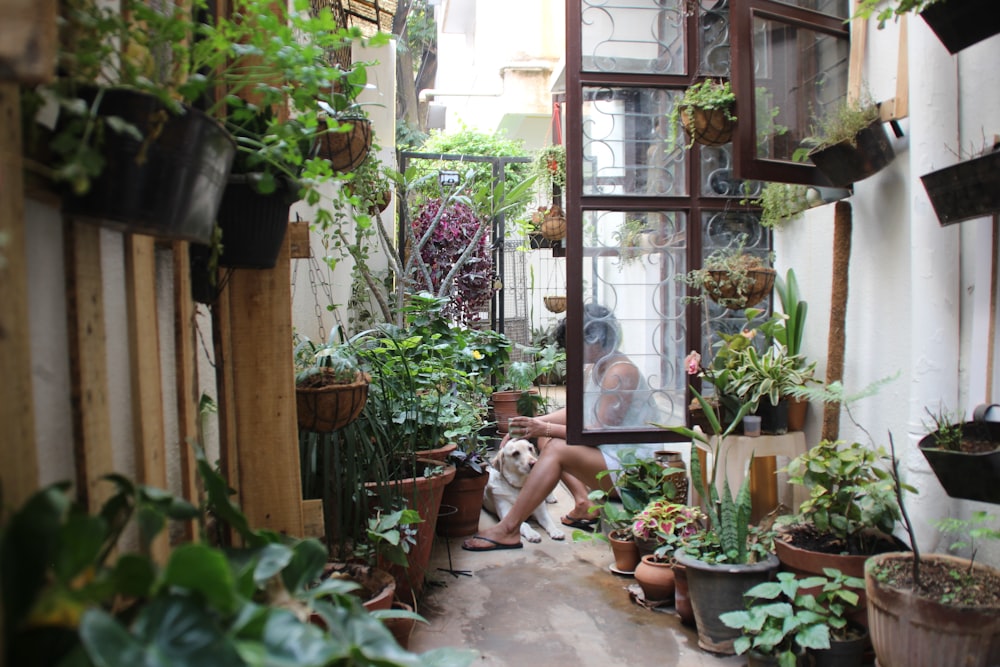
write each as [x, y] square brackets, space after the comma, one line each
[168, 185]
[555, 304]
[347, 150]
[553, 226]
[253, 224]
[332, 407]
[962, 23]
[966, 190]
[737, 291]
[708, 127]
[845, 163]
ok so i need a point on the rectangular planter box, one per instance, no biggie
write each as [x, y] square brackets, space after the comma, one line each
[962, 23]
[969, 189]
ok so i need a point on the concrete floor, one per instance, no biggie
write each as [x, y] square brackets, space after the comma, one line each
[551, 603]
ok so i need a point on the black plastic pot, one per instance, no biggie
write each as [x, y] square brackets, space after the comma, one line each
[962, 23]
[971, 476]
[253, 225]
[773, 418]
[168, 186]
[966, 190]
[846, 163]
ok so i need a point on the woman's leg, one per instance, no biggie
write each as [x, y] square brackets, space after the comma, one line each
[576, 488]
[583, 463]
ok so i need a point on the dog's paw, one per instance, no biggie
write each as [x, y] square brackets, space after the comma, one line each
[551, 499]
[557, 534]
[530, 533]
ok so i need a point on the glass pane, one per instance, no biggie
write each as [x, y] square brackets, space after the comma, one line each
[713, 34]
[717, 179]
[797, 73]
[624, 143]
[630, 260]
[633, 36]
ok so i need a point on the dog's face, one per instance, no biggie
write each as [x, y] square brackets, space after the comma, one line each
[515, 460]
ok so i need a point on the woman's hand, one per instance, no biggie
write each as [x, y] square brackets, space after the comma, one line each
[523, 427]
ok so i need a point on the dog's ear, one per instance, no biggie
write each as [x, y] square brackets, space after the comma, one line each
[497, 460]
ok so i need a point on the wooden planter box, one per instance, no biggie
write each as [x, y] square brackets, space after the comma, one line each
[844, 163]
[966, 190]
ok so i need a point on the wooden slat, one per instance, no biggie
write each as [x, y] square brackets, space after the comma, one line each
[144, 356]
[298, 239]
[88, 362]
[28, 40]
[18, 458]
[226, 399]
[899, 106]
[855, 68]
[185, 351]
[261, 363]
[312, 519]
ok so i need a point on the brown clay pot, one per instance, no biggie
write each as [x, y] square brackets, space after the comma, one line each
[465, 494]
[656, 579]
[625, 551]
[438, 454]
[401, 628]
[797, 410]
[505, 406]
[682, 603]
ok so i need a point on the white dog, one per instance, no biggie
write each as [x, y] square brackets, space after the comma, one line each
[508, 470]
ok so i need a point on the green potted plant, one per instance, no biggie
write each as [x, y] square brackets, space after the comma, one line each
[957, 23]
[788, 619]
[931, 609]
[767, 380]
[726, 557]
[68, 601]
[849, 143]
[550, 170]
[630, 237]
[347, 139]
[515, 393]
[965, 455]
[330, 388]
[705, 110]
[732, 277]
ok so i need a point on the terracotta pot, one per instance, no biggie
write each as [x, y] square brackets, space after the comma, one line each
[716, 589]
[424, 495]
[465, 494]
[505, 406]
[438, 454]
[910, 631]
[682, 603]
[378, 587]
[625, 551]
[805, 563]
[798, 408]
[326, 409]
[401, 628]
[656, 579]
[708, 127]
[553, 227]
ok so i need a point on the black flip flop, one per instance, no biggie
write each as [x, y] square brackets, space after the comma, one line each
[497, 546]
[588, 525]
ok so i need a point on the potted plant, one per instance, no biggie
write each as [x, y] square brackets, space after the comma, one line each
[515, 393]
[66, 600]
[965, 456]
[630, 237]
[957, 23]
[465, 491]
[330, 389]
[850, 143]
[732, 277]
[666, 524]
[767, 380]
[132, 127]
[725, 558]
[347, 137]
[706, 113]
[933, 609]
[550, 171]
[968, 189]
[788, 329]
[787, 619]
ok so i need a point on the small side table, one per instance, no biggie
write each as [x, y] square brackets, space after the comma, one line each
[765, 493]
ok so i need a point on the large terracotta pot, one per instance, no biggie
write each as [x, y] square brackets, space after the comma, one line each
[505, 406]
[378, 587]
[716, 589]
[656, 579]
[424, 495]
[401, 628]
[798, 409]
[438, 453]
[465, 494]
[911, 631]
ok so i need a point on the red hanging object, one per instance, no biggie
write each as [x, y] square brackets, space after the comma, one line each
[556, 124]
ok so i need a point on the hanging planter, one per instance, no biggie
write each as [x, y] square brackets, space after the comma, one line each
[331, 407]
[962, 23]
[739, 290]
[968, 462]
[167, 184]
[347, 150]
[253, 224]
[706, 114]
[851, 143]
[966, 190]
[555, 304]
[553, 227]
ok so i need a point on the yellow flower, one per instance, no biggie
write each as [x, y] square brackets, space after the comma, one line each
[477, 355]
